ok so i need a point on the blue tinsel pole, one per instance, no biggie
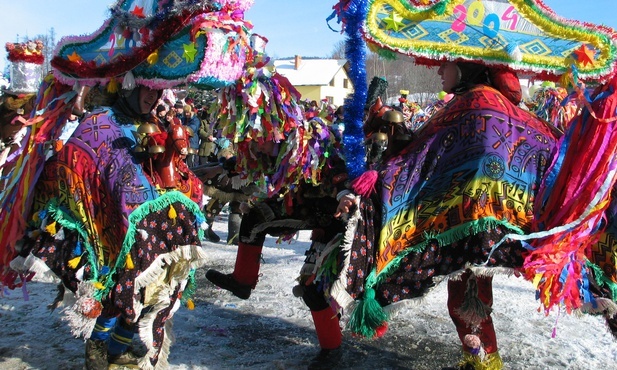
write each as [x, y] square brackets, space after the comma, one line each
[354, 107]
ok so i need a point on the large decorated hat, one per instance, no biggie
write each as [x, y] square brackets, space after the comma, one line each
[160, 44]
[524, 35]
[26, 66]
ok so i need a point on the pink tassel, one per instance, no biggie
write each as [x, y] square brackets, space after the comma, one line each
[364, 185]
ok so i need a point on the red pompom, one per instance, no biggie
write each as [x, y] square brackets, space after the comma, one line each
[90, 307]
[381, 330]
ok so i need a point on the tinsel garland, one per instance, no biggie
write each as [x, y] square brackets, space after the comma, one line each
[30, 58]
[228, 47]
[354, 14]
[29, 52]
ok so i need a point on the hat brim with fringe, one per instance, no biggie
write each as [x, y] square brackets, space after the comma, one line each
[162, 44]
[523, 35]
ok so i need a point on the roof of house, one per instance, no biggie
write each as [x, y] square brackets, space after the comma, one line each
[312, 72]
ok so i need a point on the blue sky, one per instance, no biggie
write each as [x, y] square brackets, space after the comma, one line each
[291, 26]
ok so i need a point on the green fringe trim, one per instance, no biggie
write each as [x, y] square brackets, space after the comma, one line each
[440, 9]
[387, 54]
[66, 219]
[367, 316]
[453, 235]
[190, 289]
[158, 204]
[603, 280]
[373, 279]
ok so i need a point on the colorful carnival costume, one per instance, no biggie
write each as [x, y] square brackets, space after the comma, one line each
[299, 170]
[311, 206]
[226, 189]
[113, 212]
[440, 211]
[92, 183]
[473, 172]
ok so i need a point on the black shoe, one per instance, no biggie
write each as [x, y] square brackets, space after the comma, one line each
[211, 235]
[127, 359]
[611, 322]
[227, 282]
[460, 367]
[96, 354]
[326, 359]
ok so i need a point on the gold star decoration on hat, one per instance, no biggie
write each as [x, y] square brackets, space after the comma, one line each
[189, 52]
[394, 21]
[74, 57]
[585, 55]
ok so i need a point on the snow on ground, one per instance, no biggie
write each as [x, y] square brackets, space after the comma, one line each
[273, 329]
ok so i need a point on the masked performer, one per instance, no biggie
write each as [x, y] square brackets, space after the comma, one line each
[469, 176]
[115, 211]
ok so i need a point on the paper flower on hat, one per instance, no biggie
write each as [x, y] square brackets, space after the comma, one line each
[524, 35]
[162, 43]
[29, 52]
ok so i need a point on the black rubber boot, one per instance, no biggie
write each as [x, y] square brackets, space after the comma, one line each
[460, 367]
[611, 322]
[326, 359]
[227, 282]
[96, 354]
[211, 235]
[126, 360]
[233, 228]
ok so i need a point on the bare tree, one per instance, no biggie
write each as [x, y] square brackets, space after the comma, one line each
[49, 44]
[421, 82]
[338, 52]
